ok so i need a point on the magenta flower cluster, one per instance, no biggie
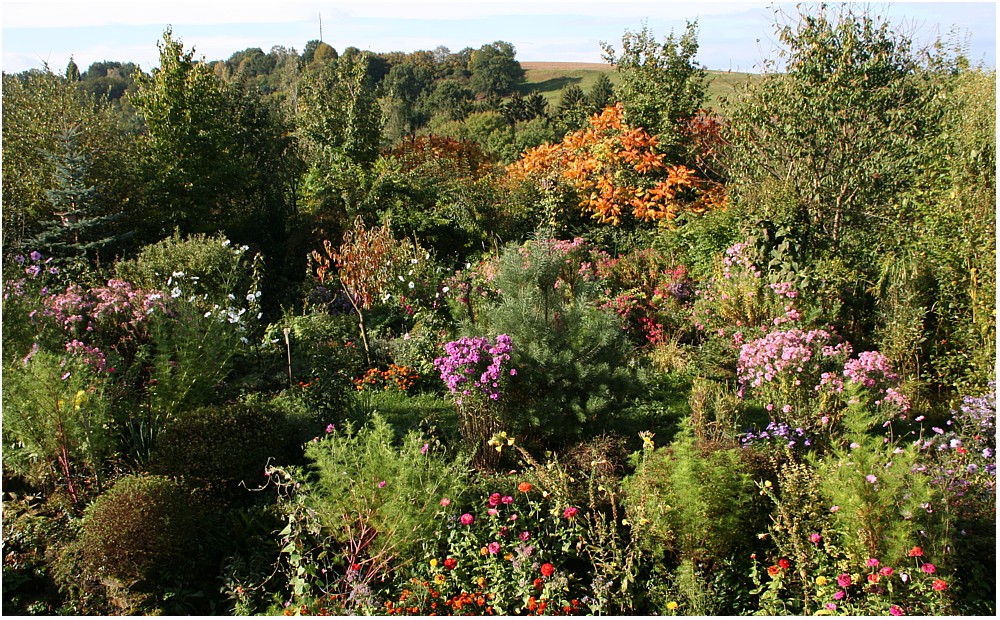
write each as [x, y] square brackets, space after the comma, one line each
[476, 365]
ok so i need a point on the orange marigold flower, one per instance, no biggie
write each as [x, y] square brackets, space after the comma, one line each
[773, 570]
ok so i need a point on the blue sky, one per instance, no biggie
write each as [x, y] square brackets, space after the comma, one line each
[732, 35]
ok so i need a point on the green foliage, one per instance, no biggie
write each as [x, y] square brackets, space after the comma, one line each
[187, 161]
[39, 107]
[695, 502]
[56, 422]
[660, 82]
[493, 69]
[393, 489]
[845, 137]
[570, 355]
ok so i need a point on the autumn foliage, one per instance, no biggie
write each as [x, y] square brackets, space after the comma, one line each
[616, 169]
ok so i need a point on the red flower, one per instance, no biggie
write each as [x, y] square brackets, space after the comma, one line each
[524, 487]
[450, 563]
[773, 571]
[873, 578]
[916, 552]
[537, 583]
[939, 585]
[570, 512]
[355, 567]
[784, 563]
[548, 569]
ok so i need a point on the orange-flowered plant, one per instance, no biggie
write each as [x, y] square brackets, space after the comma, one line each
[615, 168]
[400, 377]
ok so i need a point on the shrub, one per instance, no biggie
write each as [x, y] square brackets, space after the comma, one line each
[695, 502]
[221, 446]
[209, 268]
[570, 355]
[141, 529]
[364, 508]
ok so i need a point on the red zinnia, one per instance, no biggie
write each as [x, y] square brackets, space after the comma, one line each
[773, 571]
[784, 563]
[450, 563]
[548, 569]
[916, 552]
[939, 585]
[524, 487]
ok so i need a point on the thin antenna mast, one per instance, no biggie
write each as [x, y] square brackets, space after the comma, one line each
[320, 27]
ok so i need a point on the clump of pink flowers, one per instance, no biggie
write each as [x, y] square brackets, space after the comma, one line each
[476, 365]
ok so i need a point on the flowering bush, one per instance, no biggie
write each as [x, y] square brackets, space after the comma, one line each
[800, 378]
[475, 371]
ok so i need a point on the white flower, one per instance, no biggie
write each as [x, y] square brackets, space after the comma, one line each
[208, 314]
[259, 314]
[177, 274]
[176, 292]
[155, 296]
[411, 285]
[445, 289]
[225, 243]
[414, 261]
[401, 278]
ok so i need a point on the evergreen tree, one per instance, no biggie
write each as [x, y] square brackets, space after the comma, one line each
[72, 71]
[574, 109]
[602, 94]
[81, 230]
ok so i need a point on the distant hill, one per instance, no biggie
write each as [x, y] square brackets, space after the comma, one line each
[549, 78]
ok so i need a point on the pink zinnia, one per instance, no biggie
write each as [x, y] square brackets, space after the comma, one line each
[814, 538]
[839, 594]
[872, 562]
[445, 502]
[895, 610]
[928, 568]
[493, 548]
[495, 499]
[570, 512]
[843, 580]
[507, 499]
[466, 519]
[886, 571]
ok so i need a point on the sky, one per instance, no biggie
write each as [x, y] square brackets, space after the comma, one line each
[734, 36]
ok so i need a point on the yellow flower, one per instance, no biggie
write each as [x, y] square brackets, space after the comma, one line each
[80, 400]
[434, 563]
[672, 605]
[484, 551]
[481, 582]
[647, 439]
[439, 579]
[821, 580]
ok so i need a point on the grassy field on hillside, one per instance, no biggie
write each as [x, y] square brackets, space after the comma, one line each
[549, 78]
